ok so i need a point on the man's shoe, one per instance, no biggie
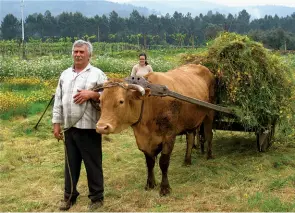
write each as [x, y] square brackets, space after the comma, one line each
[94, 205]
[66, 205]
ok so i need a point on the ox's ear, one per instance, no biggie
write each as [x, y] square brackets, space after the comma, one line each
[136, 95]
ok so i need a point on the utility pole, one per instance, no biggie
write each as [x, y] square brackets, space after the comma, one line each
[23, 29]
[98, 33]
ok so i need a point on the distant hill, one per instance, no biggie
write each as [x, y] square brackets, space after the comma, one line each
[99, 7]
[197, 7]
[86, 7]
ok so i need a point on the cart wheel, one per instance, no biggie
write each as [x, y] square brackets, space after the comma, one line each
[264, 138]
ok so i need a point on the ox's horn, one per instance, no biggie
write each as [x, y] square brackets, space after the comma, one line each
[137, 87]
[97, 87]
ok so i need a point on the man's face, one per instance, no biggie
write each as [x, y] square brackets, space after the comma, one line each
[81, 55]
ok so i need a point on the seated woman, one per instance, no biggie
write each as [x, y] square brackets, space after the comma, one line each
[142, 68]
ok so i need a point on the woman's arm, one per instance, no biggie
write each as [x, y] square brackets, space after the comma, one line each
[151, 69]
[133, 72]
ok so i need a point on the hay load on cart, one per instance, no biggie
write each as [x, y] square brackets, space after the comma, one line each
[255, 83]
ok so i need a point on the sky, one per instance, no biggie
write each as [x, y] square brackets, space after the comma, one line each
[233, 3]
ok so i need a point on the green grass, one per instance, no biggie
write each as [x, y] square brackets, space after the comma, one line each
[237, 179]
[269, 203]
[19, 87]
[49, 67]
[24, 111]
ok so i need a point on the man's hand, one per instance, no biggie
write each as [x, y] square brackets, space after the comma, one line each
[85, 95]
[57, 132]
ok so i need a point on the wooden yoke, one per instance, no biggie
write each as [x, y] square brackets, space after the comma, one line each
[163, 91]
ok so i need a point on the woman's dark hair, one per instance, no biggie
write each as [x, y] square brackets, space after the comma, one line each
[143, 54]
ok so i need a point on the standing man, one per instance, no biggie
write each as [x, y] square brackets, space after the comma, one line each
[78, 117]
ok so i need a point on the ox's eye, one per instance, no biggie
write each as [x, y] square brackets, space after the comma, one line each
[121, 102]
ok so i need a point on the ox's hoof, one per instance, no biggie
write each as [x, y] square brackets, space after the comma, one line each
[165, 191]
[150, 185]
[194, 146]
[209, 157]
[187, 162]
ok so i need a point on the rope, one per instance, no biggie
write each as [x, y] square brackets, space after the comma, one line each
[140, 116]
[70, 173]
[67, 157]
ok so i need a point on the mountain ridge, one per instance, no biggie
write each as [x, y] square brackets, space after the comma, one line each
[146, 8]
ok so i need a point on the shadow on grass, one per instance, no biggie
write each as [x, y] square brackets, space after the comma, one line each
[227, 143]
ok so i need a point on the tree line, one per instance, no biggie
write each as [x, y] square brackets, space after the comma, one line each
[177, 29]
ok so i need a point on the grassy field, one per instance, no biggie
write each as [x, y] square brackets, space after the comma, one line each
[237, 179]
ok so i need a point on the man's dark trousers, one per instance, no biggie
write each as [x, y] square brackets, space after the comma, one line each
[84, 144]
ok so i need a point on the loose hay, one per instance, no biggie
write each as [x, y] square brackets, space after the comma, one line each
[251, 80]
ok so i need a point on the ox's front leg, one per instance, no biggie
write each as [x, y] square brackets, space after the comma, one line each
[150, 163]
[164, 165]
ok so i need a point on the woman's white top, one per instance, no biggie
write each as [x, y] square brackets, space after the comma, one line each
[141, 71]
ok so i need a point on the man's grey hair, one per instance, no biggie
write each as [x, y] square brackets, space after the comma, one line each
[81, 43]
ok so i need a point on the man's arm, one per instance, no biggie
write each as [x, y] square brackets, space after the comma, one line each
[57, 131]
[57, 116]
[85, 95]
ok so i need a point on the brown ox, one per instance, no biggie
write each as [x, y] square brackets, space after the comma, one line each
[156, 121]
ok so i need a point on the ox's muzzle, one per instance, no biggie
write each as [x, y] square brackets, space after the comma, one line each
[104, 128]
